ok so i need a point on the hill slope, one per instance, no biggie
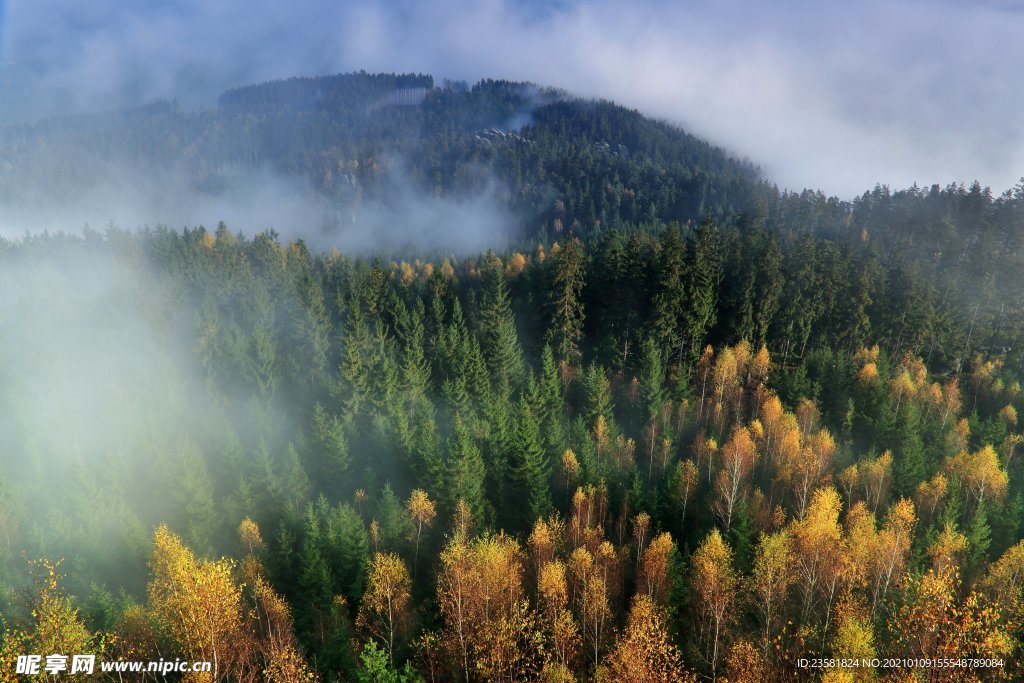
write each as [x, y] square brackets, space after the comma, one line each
[557, 162]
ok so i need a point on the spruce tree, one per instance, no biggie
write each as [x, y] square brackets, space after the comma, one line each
[314, 589]
[652, 380]
[296, 486]
[552, 410]
[652, 398]
[534, 465]
[669, 294]
[194, 498]
[703, 277]
[466, 473]
[415, 368]
[910, 461]
[355, 385]
[597, 398]
[770, 283]
[979, 537]
[565, 306]
[330, 449]
[391, 519]
[499, 341]
[499, 452]
[347, 548]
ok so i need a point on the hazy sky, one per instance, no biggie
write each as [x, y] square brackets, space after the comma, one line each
[831, 95]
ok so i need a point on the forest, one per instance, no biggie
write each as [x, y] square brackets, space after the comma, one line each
[676, 425]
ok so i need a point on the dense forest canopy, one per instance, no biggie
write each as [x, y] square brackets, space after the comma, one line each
[657, 421]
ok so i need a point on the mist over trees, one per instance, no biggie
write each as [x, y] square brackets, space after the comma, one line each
[675, 425]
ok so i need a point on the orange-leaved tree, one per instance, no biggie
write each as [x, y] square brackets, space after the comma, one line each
[714, 586]
[643, 653]
[199, 605]
[384, 613]
[56, 627]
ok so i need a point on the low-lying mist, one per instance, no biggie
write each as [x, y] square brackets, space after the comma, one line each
[250, 200]
[100, 396]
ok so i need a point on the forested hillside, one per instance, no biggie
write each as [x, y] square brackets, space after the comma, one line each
[561, 163]
[346, 153]
[678, 425]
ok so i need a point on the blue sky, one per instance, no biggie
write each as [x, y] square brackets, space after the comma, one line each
[829, 95]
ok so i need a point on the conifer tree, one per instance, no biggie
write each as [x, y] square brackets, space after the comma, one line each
[552, 403]
[314, 583]
[498, 338]
[652, 396]
[355, 381]
[347, 549]
[534, 465]
[596, 396]
[330, 446]
[704, 275]
[910, 460]
[466, 473]
[391, 518]
[311, 324]
[295, 483]
[194, 494]
[564, 303]
[669, 295]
